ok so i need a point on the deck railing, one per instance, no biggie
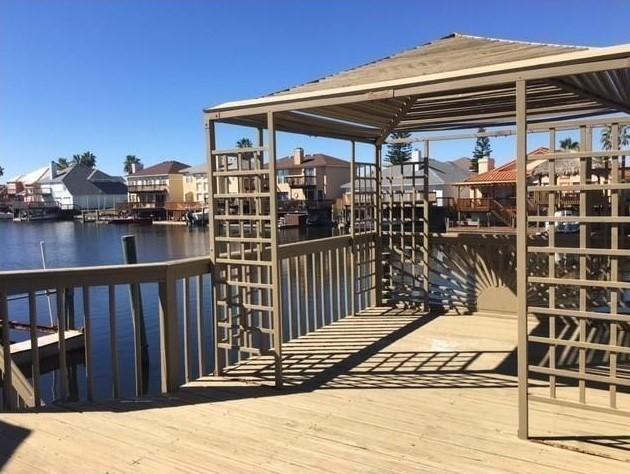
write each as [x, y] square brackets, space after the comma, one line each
[323, 281]
[173, 312]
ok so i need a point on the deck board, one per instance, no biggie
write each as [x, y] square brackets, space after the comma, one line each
[384, 393]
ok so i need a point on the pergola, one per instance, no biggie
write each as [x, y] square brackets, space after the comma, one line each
[456, 82]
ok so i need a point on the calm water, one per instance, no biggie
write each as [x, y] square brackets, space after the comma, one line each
[70, 244]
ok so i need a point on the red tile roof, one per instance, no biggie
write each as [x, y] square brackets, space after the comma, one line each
[503, 174]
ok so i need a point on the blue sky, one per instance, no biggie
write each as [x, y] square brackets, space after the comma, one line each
[122, 77]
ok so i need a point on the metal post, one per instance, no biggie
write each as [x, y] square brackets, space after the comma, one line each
[426, 254]
[377, 300]
[275, 261]
[521, 255]
[353, 277]
[219, 355]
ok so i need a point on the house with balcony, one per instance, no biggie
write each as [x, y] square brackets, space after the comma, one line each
[27, 187]
[152, 190]
[488, 198]
[310, 182]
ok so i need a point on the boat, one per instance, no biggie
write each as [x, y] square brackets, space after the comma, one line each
[6, 216]
[200, 218]
[46, 213]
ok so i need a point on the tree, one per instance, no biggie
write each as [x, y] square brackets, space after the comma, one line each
[1, 171]
[482, 150]
[62, 164]
[129, 161]
[568, 144]
[398, 153]
[85, 159]
[623, 139]
[244, 143]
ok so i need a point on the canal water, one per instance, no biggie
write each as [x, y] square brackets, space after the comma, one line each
[70, 244]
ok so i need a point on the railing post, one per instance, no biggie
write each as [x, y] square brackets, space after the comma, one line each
[169, 332]
[7, 382]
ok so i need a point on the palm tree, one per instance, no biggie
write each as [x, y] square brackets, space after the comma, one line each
[62, 164]
[85, 159]
[569, 145]
[244, 143]
[606, 138]
[129, 161]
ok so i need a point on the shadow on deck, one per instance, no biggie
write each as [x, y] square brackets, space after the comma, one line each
[352, 372]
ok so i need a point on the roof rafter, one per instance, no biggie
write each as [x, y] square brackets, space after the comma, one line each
[398, 116]
[590, 95]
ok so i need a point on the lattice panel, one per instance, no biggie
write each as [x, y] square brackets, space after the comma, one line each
[405, 211]
[579, 274]
[365, 221]
[243, 228]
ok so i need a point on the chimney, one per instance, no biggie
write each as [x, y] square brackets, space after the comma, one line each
[135, 167]
[298, 156]
[485, 164]
[53, 170]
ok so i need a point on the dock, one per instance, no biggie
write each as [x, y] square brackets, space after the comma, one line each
[48, 344]
[386, 391]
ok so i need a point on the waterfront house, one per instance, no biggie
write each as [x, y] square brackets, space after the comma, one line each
[195, 187]
[443, 179]
[27, 188]
[151, 189]
[312, 181]
[489, 197]
[83, 188]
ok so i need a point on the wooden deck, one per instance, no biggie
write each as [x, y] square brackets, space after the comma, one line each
[384, 392]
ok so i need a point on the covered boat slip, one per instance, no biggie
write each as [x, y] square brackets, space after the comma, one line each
[573, 285]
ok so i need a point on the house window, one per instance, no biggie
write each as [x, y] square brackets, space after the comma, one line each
[189, 179]
[282, 176]
[309, 171]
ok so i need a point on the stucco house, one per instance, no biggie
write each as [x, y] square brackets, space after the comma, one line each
[154, 188]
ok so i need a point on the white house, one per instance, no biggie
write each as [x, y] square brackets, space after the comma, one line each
[84, 187]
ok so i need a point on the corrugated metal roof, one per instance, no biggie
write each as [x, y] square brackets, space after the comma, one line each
[456, 82]
[453, 52]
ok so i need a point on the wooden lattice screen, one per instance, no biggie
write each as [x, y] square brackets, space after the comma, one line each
[365, 226]
[405, 211]
[243, 239]
[578, 272]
